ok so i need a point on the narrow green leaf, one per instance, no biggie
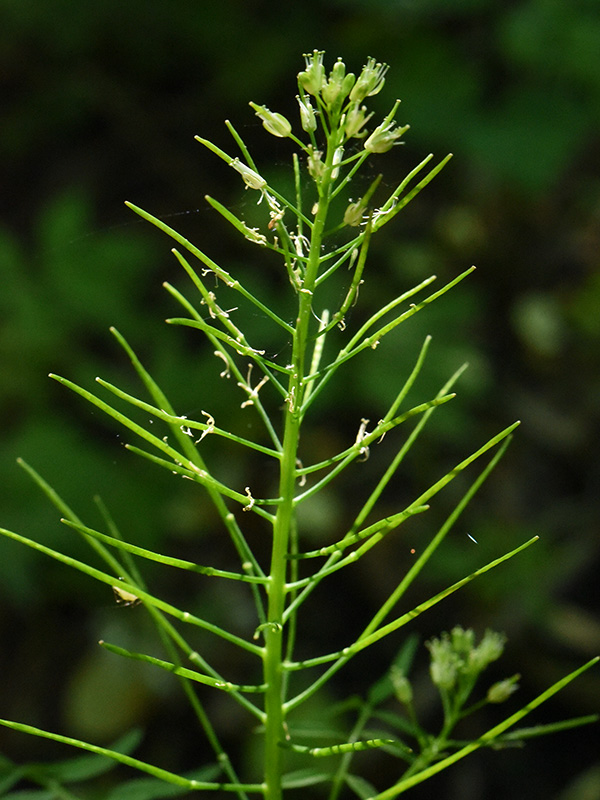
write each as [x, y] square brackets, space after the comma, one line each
[184, 672]
[522, 734]
[371, 638]
[197, 474]
[339, 749]
[438, 485]
[351, 349]
[402, 452]
[82, 768]
[249, 503]
[439, 537]
[381, 527]
[239, 347]
[167, 560]
[221, 273]
[374, 339]
[362, 443]
[394, 204]
[188, 447]
[341, 657]
[141, 766]
[185, 423]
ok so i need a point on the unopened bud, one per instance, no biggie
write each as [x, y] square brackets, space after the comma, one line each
[308, 118]
[384, 137]
[337, 159]
[502, 690]
[402, 686]
[355, 120]
[489, 649]
[274, 123]
[353, 215]
[251, 178]
[339, 84]
[445, 663]
[315, 164]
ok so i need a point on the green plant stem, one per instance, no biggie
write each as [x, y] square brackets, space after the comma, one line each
[284, 519]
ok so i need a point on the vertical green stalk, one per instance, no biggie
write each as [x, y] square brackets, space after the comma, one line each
[273, 676]
[284, 520]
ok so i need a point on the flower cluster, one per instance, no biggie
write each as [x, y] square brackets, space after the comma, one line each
[339, 96]
[456, 659]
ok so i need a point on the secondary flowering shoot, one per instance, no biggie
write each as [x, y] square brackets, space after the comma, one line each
[456, 660]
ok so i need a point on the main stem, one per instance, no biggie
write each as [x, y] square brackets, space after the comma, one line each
[276, 588]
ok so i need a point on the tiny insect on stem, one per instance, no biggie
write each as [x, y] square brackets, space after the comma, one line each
[125, 598]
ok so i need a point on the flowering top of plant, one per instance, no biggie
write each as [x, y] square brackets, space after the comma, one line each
[280, 390]
[337, 99]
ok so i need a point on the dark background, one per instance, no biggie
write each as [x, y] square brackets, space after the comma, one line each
[100, 103]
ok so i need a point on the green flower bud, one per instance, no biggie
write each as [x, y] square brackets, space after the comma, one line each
[251, 178]
[354, 121]
[463, 641]
[402, 686]
[337, 159]
[502, 690]
[308, 117]
[384, 137]
[313, 77]
[353, 215]
[339, 84]
[445, 663]
[315, 164]
[274, 123]
[489, 649]
[370, 81]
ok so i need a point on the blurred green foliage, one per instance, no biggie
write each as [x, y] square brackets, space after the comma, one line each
[100, 104]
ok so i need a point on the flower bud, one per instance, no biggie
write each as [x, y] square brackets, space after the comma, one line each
[384, 137]
[502, 690]
[251, 178]
[308, 117]
[315, 164]
[370, 81]
[445, 662]
[313, 77]
[355, 119]
[339, 84]
[274, 123]
[337, 159]
[489, 649]
[402, 686]
[354, 213]
[463, 641]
